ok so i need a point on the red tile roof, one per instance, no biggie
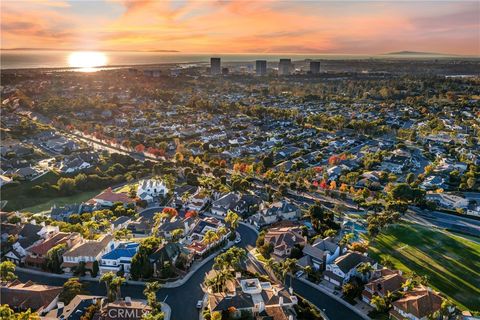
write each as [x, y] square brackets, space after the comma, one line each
[420, 302]
[28, 295]
[109, 195]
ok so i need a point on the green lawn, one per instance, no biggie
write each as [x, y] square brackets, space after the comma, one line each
[451, 263]
[46, 204]
[19, 196]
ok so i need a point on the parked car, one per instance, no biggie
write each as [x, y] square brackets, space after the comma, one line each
[199, 304]
[238, 240]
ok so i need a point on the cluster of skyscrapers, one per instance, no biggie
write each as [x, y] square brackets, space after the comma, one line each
[285, 67]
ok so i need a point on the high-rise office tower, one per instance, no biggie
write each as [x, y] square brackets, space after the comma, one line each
[215, 66]
[261, 67]
[314, 67]
[284, 67]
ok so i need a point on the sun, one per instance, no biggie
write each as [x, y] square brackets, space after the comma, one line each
[87, 60]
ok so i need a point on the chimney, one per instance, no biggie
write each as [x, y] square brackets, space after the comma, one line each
[128, 300]
[280, 301]
[60, 305]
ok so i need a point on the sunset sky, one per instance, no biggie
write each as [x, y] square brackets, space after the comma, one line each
[351, 27]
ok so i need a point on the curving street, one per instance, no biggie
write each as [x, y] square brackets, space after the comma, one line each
[183, 299]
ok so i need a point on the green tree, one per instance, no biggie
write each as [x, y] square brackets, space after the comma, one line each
[71, 288]
[113, 284]
[232, 219]
[7, 271]
[95, 268]
[54, 260]
[379, 303]
[150, 293]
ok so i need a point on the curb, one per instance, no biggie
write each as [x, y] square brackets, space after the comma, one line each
[346, 304]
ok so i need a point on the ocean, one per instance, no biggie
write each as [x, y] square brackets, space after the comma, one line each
[28, 59]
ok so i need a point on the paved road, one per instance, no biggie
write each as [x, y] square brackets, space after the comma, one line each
[332, 308]
[182, 300]
[449, 221]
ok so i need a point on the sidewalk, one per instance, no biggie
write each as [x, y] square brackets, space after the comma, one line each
[167, 311]
[346, 304]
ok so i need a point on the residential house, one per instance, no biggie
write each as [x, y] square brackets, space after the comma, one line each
[151, 189]
[252, 296]
[169, 252]
[23, 296]
[225, 203]
[385, 281]
[195, 238]
[119, 259]
[167, 226]
[417, 304]
[108, 198]
[284, 239]
[198, 201]
[37, 254]
[433, 182]
[87, 251]
[448, 201]
[277, 211]
[319, 254]
[247, 205]
[344, 267]
[74, 310]
[63, 213]
[30, 235]
[26, 173]
[121, 223]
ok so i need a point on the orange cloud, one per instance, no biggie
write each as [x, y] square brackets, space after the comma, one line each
[249, 26]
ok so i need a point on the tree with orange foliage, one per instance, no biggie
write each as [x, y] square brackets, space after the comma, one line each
[333, 160]
[172, 212]
[191, 214]
[333, 185]
[343, 187]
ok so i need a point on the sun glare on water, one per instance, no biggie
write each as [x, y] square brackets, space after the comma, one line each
[87, 61]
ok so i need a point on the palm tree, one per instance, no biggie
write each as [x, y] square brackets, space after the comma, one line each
[222, 231]
[107, 278]
[379, 303]
[408, 285]
[150, 293]
[387, 262]
[289, 266]
[210, 237]
[346, 239]
[232, 219]
[113, 284]
[365, 268]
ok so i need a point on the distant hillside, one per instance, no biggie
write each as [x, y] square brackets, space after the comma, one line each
[416, 53]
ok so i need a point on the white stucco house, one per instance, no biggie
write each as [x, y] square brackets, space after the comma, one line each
[150, 189]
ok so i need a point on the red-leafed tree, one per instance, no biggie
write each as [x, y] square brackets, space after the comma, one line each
[334, 159]
[191, 214]
[172, 212]
[318, 169]
[140, 148]
[323, 184]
